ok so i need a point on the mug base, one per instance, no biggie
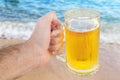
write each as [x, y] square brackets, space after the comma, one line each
[83, 72]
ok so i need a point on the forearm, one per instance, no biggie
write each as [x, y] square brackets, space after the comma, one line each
[18, 59]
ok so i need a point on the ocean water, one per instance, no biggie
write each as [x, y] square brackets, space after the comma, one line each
[31, 10]
[18, 17]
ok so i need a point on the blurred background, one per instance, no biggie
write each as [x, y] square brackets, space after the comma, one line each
[18, 17]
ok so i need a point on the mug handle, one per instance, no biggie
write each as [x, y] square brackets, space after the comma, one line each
[62, 57]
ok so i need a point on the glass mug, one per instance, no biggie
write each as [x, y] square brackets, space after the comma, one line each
[82, 29]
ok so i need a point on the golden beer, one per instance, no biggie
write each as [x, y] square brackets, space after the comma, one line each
[82, 49]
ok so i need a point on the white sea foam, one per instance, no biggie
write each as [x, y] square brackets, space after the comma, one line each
[23, 30]
[14, 29]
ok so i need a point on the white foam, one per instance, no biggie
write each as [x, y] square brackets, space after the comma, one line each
[14, 29]
[82, 24]
[23, 30]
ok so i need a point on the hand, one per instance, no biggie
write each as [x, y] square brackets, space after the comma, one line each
[47, 36]
[46, 39]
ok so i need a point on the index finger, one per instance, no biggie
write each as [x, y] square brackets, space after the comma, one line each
[48, 19]
[56, 24]
[54, 21]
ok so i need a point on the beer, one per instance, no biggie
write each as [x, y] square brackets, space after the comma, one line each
[82, 42]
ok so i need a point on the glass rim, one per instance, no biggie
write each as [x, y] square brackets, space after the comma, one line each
[92, 11]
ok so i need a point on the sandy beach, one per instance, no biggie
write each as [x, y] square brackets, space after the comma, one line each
[56, 70]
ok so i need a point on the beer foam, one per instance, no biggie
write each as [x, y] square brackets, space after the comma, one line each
[82, 24]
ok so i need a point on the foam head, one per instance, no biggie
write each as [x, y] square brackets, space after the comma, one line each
[82, 24]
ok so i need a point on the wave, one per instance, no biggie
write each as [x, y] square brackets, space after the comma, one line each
[23, 30]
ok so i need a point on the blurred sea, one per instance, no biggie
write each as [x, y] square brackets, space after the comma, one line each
[17, 17]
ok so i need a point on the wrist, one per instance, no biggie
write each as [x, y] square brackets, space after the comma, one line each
[33, 47]
[40, 54]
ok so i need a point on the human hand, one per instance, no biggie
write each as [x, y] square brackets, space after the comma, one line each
[47, 37]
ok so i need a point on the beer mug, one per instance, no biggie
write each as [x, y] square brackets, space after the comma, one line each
[81, 40]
